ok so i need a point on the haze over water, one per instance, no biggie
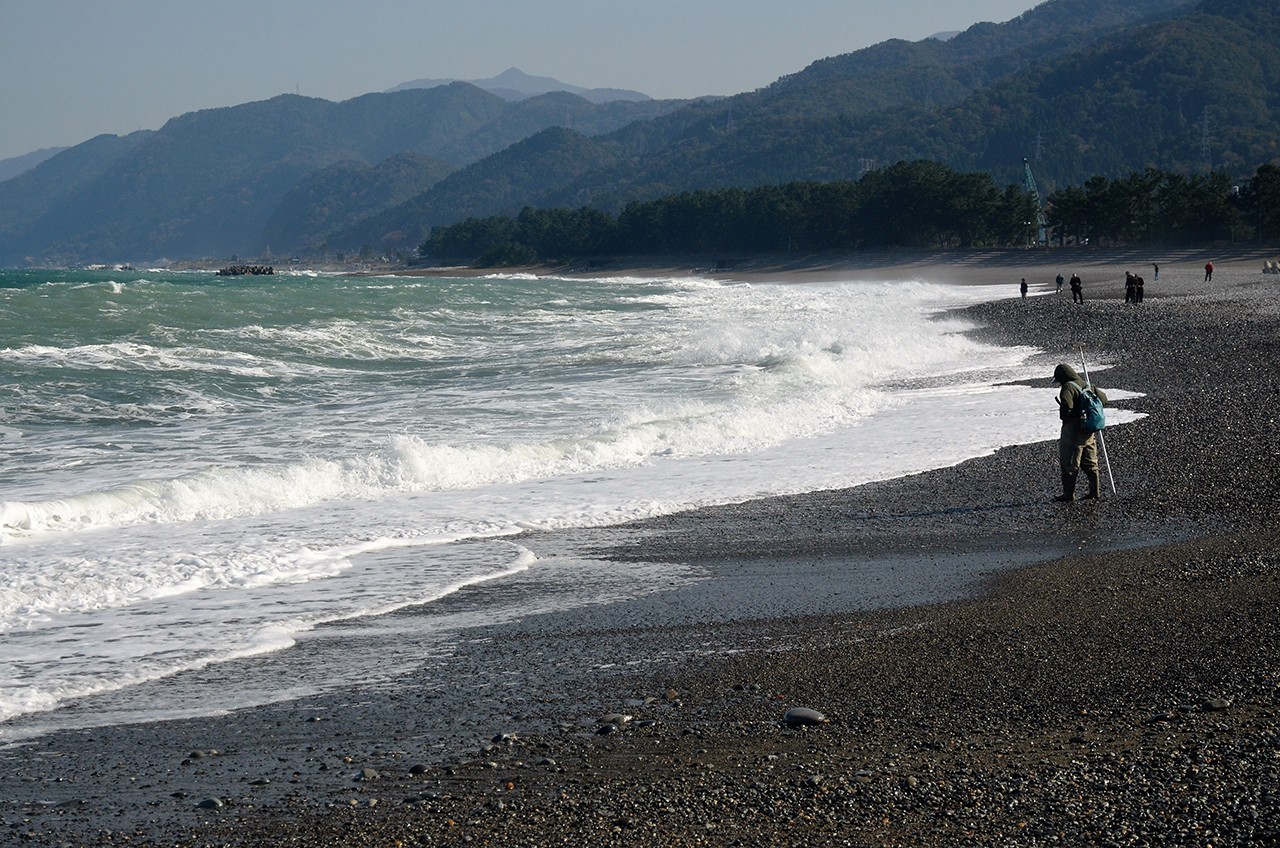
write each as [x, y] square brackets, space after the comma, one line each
[195, 469]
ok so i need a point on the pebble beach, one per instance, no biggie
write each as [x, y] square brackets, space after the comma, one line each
[1026, 673]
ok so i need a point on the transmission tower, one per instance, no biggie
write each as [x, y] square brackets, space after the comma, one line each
[1042, 223]
[1204, 139]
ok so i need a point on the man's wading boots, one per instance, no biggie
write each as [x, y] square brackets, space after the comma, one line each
[1069, 486]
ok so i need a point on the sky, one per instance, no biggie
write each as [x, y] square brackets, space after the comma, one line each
[73, 69]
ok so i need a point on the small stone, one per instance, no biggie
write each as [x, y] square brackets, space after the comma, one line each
[210, 804]
[418, 769]
[616, 719]
[1217, 704]
[803, 716]
[367, 774]
[421, 798]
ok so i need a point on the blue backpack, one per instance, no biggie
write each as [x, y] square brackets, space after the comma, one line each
[1089, 409]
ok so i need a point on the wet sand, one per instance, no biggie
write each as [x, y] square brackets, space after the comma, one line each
[1108, 674]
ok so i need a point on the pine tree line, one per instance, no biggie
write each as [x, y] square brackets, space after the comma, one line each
[918, 204]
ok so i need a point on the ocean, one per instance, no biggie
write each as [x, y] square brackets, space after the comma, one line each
[197, 470]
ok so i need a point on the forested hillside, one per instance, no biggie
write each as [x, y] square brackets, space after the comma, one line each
[27, 200]
[502, 181]
[12, 167]
[335, 197]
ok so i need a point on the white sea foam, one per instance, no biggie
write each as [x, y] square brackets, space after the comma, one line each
[141, 357]
[808, 369]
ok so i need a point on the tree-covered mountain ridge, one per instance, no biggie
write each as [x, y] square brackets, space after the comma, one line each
[1080, 87]
[218, 181]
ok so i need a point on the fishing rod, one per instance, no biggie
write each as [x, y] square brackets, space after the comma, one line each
[1101, 441]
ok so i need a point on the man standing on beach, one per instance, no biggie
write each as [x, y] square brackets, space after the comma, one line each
[1024, 288]
[1059, 281]
[1077, 449]
[1208, 271]
[1077, 289]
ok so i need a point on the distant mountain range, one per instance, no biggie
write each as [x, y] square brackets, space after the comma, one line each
[1079, 87]
[222, 181]
[514, 84]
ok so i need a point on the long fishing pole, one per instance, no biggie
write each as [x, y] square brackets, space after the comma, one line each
[1105, 459]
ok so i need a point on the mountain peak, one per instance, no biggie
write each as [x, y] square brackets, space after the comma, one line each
[515, 84]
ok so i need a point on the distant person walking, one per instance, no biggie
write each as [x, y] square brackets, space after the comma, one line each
[1023, 288]
[1208, 272]
[1077, 289]
[1157, 267]
[1060, 280]
[1077, 449]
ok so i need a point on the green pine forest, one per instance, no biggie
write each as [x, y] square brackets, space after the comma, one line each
[920, 204]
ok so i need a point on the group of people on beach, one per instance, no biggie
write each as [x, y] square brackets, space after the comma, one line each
[1077, 287]
[1133, 286]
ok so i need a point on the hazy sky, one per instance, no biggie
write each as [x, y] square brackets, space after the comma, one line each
[71, 69]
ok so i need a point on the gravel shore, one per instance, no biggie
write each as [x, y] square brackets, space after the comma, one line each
[1111, 677]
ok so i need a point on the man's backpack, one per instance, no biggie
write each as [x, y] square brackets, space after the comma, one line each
[1089, 410]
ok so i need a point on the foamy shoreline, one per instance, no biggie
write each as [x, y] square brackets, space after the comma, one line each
[1124, 690]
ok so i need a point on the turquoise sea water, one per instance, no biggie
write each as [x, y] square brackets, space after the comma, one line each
[196, 469]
